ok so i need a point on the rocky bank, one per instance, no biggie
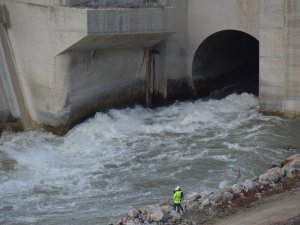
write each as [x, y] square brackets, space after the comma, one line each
[206, 208]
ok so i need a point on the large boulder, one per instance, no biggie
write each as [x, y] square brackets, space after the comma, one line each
[175, 216]
[134, 213]
[272, 175]
[193, 197]
[220, 196]
[206, 202]
[290, 160]
[216, 197]
[153, 213]
[166, 209]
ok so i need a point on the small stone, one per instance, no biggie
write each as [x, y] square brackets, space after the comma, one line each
[227, 196]
[236, 188]
[166, 209]
[241, 195]
[175, 215]
[205, 203]
[212, 211]
[258, 196]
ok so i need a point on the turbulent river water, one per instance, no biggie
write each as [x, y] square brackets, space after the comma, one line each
[132, 157]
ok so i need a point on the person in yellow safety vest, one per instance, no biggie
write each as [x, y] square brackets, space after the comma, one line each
[177, 197]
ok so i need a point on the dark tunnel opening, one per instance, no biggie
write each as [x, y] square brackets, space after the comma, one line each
[226, 62]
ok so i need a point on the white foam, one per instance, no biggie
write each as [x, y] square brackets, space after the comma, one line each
[234, 146]
[225, 158]
[223, 184]
[132, 150]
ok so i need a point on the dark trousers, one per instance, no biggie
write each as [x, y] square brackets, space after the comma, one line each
[177, 207]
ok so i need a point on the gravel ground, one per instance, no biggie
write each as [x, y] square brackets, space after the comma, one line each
[292, 221]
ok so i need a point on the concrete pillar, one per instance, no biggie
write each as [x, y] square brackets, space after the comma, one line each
[280, 57]
[8, 102]
[10, 76]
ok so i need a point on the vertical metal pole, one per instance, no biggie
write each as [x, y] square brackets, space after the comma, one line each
[149, 78]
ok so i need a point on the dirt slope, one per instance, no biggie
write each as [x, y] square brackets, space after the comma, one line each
[276, 209]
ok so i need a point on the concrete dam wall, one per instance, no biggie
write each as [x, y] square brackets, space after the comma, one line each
[74, 61]
[72, 58]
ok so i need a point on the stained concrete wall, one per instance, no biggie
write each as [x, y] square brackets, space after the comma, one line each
[275, 24]
[98, 79]
[93, 3]
[9, 105]
[4, 109]
[73, 61]
[280, 57]
[76, 61]
[179, 83]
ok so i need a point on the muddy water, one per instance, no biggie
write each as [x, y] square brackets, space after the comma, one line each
[128, 158]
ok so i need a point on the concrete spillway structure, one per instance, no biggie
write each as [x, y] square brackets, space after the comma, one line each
[74, 61]
[67, 59]
[213, 43]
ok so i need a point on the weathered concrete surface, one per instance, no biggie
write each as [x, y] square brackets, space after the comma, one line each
[74, 58]
[280, 57]
[96, 29]
[205, 18]
[8, 105]
[91, 3]
[275, 24]
[14, 105]
[76, 61]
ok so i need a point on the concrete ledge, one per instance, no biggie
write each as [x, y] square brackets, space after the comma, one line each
[79, 29]
[98, 42]
[287, 115]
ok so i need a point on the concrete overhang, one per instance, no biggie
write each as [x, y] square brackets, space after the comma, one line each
[98, 42]
[115, 27]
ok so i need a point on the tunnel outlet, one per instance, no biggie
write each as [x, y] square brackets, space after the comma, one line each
[226, 62]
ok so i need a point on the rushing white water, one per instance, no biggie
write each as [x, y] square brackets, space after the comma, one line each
[128, 158]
